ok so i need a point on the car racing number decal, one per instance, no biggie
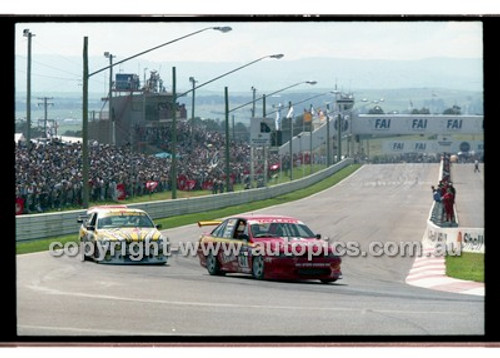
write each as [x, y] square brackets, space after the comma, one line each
[243, 260]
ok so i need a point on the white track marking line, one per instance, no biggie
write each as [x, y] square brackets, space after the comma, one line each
[228, 305]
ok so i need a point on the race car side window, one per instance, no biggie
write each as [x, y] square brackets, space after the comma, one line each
[240, 229]
[231, 225]
[219, 230]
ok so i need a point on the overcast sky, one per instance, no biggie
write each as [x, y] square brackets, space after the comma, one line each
[250, 40]
[196, 7]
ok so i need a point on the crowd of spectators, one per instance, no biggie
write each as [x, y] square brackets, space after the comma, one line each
[49, 175]
[444, 195]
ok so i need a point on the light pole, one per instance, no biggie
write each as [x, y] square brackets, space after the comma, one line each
[29, 35]
[226, 102]
[193, 84]
[344, 103]
[173, 150]
[252, 171]
[144, 76]
[311, 127]
[263, 97]
[290, 147]
[227, 111]
[85, 121]
[223, 29]
[276, 56]
[288, 87]
[254, 90]
[368, 102]
[110, 110]
[290, 116]
[301, 155]
[87, 75]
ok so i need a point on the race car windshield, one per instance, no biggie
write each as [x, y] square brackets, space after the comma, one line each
[290, 230]
[124, 220]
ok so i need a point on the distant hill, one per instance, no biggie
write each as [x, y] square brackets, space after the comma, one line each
[63, 74]
[435, 83]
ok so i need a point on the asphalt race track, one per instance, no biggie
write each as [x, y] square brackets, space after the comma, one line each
[379, 203]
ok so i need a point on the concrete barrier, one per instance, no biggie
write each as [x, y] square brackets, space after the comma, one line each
[38, 226]
[450, 234]
[456, 238]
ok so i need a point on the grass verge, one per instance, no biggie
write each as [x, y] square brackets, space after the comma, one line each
[468, 266]
[175, 221]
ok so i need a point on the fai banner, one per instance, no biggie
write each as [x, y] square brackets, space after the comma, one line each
[19, 206]
[121, 193]
[417, 124]
[444, 145]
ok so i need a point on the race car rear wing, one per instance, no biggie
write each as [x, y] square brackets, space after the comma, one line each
[209, 223]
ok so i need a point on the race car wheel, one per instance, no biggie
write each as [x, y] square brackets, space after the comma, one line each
[213, 266]
[87, 253]
[258, 267]
[96, 253]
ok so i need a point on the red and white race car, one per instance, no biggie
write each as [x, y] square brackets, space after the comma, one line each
[268, 247]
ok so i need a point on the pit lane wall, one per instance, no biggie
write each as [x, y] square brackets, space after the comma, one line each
[38, 226]
[436, 234]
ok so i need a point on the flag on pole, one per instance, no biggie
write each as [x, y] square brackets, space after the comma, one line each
[312, 111]
[278, 117]
[307, 116]
[321, 115]
[290, 112]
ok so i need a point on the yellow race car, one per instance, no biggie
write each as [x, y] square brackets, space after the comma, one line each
[119, 234]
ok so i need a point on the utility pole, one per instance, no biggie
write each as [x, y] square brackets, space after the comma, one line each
[340, 118]
[29, 35]
[328, 150]
[226, 101]
[311, 127]
[193, 83]
[174, 136]
[234, 134]
[110, 94]
[45, 105]
[291, 142]
[252, 174]
[85, 123]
